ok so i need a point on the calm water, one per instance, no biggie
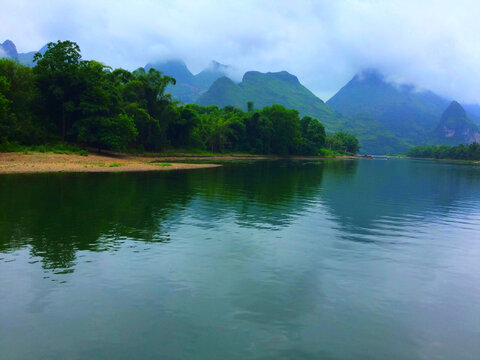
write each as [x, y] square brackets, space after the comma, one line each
[368, 259]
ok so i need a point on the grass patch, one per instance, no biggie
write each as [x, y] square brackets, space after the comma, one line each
[115, 164]
[161, 164]
[328, 153]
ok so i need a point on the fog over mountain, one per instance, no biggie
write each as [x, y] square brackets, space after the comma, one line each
[432, 44]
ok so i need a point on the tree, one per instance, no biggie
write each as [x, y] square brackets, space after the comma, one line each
[5, 125]
[313, 136]
[284, 126]
[17, 92]
[58, 79]
[113, 133]
[344, 142]
[180, 130]
[102, 122]
[144, 99]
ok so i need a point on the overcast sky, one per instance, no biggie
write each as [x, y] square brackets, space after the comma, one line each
[434, 44]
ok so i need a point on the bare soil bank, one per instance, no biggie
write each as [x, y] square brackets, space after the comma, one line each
[49, 162]
[46, 162]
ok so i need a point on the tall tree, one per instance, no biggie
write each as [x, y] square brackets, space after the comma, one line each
[102, 122]
[60, 85]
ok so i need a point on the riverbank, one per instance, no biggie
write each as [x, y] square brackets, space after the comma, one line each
[455, 161]
[49, 162]
[37, 162]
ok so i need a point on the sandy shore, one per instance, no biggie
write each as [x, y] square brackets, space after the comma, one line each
[47, 162]
[11, 163]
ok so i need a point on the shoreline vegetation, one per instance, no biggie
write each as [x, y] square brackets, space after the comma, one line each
[65, 105]
[49, 162]
[465, 153]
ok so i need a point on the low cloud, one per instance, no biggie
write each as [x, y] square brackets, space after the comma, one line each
[433, 44]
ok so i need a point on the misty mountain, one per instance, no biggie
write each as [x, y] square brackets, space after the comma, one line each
[408, 116]
[189, 86]
[266, 89]
[401, 109]
[455, 127]
[8, 49]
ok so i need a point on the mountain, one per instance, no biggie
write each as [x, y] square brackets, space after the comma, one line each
[8, 50]
[282, 88]
[408, 116]
[455, 127]
[27, 58]
[207, 76]
[175, 68]
[406, 112]
[266, 89]
[189, 86]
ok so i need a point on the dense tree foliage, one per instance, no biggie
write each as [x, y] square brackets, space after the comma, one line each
[65, 98]
[343, 142]
[17, 93]
[459, 152]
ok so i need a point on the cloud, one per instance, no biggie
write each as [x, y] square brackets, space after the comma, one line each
[433, 44]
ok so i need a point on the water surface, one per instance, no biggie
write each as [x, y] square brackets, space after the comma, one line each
[367, 259]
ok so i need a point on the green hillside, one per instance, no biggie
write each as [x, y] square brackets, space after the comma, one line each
[455, 127]
[266, 89]
[409, 114]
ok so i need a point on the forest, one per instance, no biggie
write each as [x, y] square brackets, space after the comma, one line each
[64, 99]
[459, 152]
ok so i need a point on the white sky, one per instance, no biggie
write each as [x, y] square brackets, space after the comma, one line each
[434, 44]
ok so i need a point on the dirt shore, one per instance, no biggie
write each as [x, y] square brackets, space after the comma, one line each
[47, 162]
[34, 162]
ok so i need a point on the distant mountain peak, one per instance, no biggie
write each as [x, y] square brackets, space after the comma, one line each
[455, 109]
[455, 127]
[189, 86]
[372, 76]
[225, 80]
[281, 75]
[9, 49]
[172, 67]
[216, 66]
[177, 64]
[9, 43]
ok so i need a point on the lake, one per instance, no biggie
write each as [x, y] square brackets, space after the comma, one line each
[357, 259]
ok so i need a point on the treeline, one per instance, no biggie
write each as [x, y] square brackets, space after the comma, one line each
[459, 152]
[67, 99]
